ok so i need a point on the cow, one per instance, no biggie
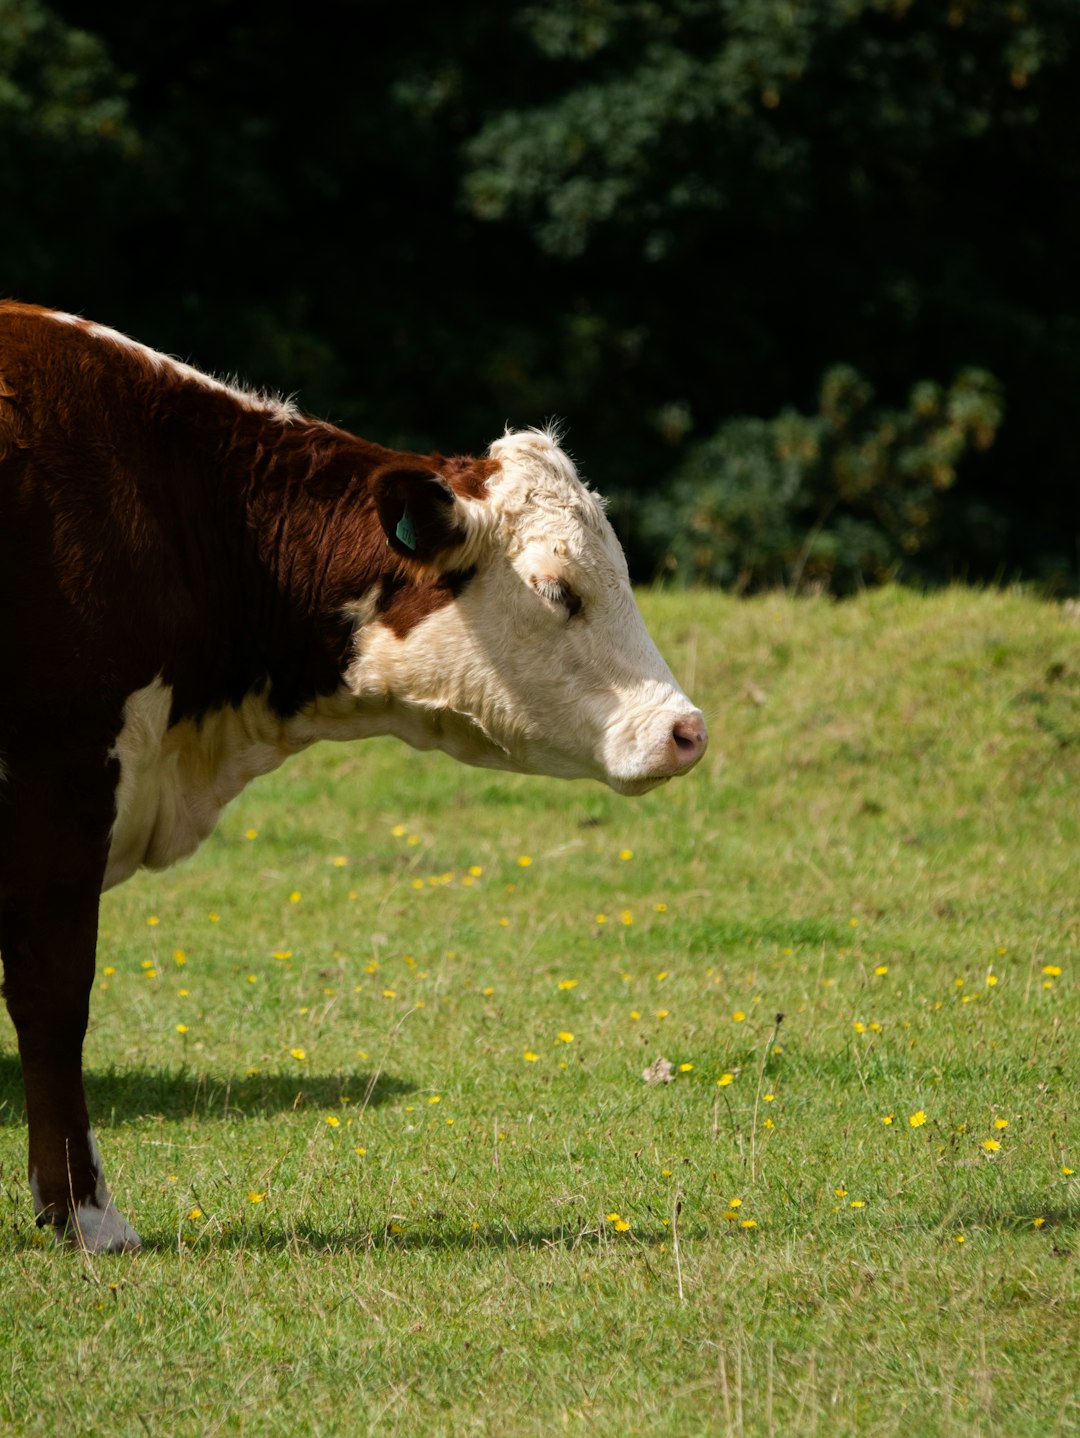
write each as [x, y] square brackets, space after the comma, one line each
[196, 582]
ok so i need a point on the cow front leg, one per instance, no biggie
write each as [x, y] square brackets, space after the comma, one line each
[48, 946]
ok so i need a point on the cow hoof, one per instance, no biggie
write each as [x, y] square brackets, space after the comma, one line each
[101, 1230]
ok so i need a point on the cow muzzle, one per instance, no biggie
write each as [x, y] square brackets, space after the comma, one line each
[660, 748]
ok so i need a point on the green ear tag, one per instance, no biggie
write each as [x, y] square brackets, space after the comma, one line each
[405, 531]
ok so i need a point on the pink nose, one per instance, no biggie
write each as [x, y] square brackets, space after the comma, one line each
[689, 741]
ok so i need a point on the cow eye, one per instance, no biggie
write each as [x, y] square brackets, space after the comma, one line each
[557, 591]
[571, 600]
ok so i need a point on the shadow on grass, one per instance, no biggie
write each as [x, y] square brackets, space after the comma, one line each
[529, 1238]
[430, 1236]
[126, 1095]
[430, 1239]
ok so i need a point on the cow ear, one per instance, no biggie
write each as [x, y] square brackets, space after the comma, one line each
[420, 514]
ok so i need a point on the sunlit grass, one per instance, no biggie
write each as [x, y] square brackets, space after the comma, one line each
[368, 1073]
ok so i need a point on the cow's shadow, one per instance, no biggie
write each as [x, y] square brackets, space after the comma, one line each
[127, 1095]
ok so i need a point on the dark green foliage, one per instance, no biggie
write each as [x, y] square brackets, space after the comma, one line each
[832, 500]
[65, 141]
[648, 219]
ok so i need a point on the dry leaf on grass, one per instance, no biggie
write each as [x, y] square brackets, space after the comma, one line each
[659, 1071]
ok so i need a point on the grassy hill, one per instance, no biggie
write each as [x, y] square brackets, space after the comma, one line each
[367, 1072]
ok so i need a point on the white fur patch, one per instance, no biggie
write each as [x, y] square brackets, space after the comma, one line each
[174, 782]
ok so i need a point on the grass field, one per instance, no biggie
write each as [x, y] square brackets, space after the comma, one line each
[367, 1073]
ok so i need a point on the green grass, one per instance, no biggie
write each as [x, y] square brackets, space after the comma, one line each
[881, 845]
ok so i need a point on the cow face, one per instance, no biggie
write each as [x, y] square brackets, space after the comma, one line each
[540, 661]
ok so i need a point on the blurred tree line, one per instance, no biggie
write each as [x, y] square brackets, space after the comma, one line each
[801, 276]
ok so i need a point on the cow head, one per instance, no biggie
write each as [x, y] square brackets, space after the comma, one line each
[532, 655]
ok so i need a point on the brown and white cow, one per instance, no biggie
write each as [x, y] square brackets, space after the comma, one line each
[195, 583]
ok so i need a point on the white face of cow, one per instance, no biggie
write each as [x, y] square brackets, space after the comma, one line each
[542, 663]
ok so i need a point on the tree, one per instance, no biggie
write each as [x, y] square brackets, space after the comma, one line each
[834, 500]
[648, 219]
[755, 188]
[65, 139]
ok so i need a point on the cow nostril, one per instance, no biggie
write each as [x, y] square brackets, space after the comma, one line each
[684, 739]
[690, 738]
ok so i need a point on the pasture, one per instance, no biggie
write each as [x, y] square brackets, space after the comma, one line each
[367, 1073]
